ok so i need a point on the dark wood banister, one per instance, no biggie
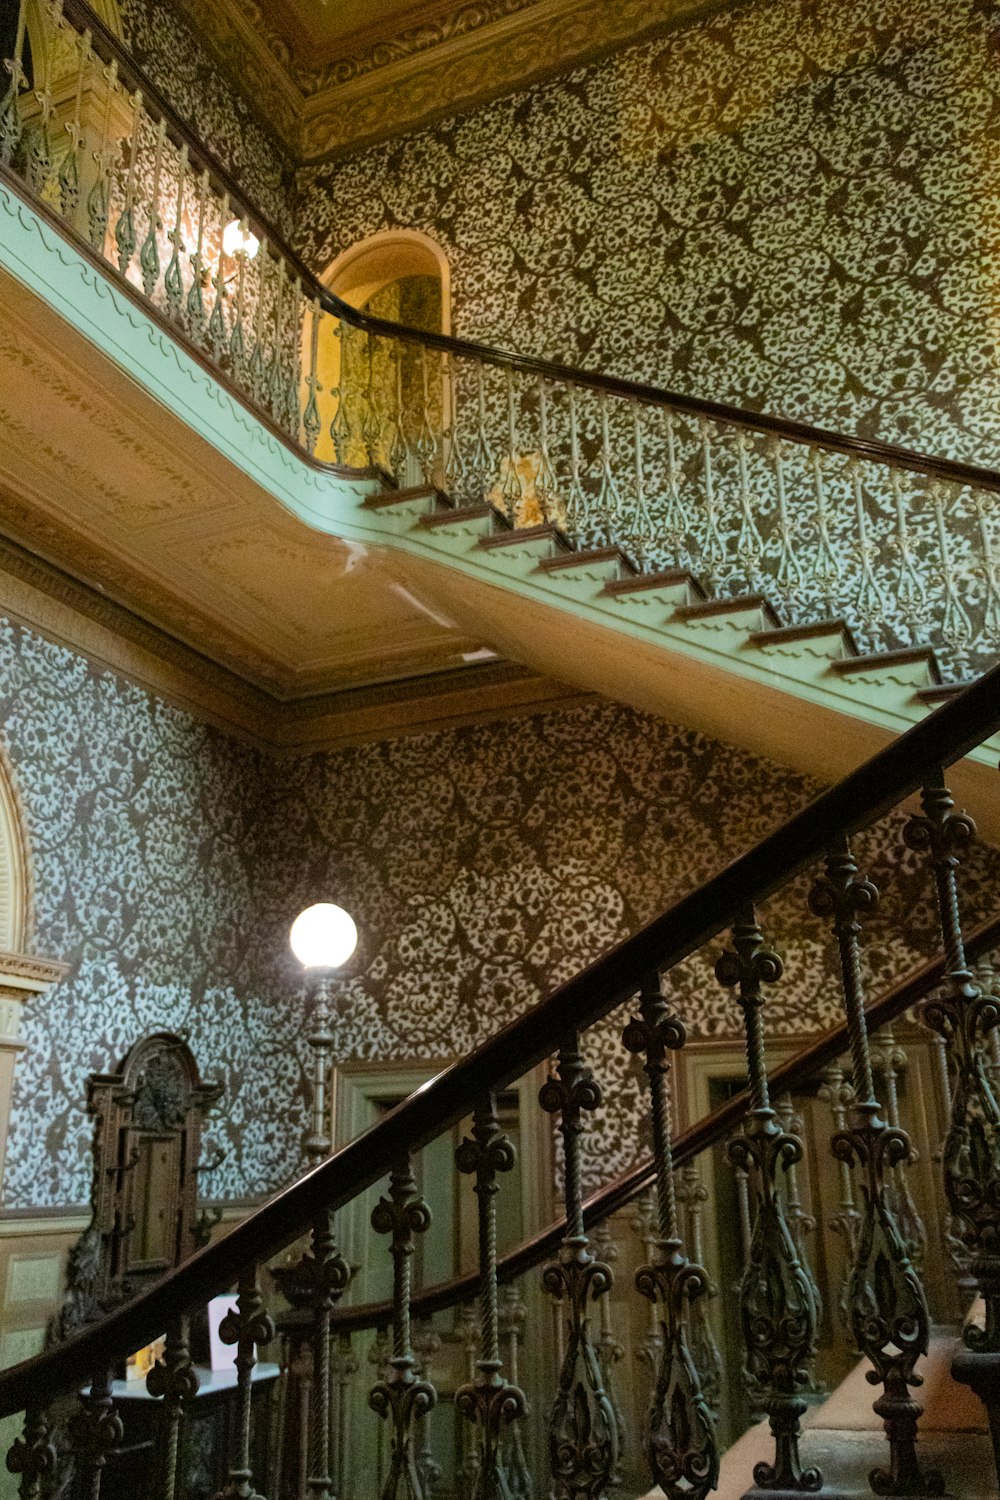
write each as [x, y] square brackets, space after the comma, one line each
[792, 1074]
[866, 794]
[949, 471]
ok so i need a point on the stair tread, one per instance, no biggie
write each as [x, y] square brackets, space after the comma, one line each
[815, 629]
[738, 604]
[403, 497]
[901, 657]
[572, 558]
[466, 513]
[514, 536]
[648, 581]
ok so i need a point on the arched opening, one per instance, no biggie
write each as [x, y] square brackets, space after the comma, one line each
[402, 276]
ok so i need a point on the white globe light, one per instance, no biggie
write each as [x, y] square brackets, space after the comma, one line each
[323, 936]
[236, 240]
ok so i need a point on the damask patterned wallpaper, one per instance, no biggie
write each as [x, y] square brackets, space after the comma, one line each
[165, 47]
[794, 205]
[483, 866]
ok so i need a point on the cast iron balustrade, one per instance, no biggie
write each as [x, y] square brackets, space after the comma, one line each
[778, 1311]
[902, 546]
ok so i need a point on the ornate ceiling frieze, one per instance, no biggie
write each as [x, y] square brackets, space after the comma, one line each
[440, 64]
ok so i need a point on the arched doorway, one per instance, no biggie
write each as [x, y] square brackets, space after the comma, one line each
[399, 274]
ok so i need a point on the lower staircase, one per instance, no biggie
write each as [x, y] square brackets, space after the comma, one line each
[534, 1373]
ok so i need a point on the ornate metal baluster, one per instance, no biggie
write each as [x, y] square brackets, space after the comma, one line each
[402, 1399]
[427, 443]
[125, 233]
[174, 1380]
[69, 171]
[469, 1338]
[964, 1015]
[482, 454]
[712, 555]
[38, 156]
[870, 600]
[777, 1306]
[888, 1310]
[426, 1343]
[99, 197]
[321, 1277]
[512, 491]
[838, 1093]
[789, 570]
[800, 1223]
[676, 521]
[311, 422]
[639, 526]
[237, 338]
[149, 254]
[643, 1223]
[512, 1318]
[826, 569]
[749, 542]
[32, 1456]
[583, 1434]
[173, 280]
[546, 485]
[256, 365]
[577, 501]
[218, 335]
[609, 1349]
[340, 424]
[290, 405]
[11, 123]
[275, 380]
[956, 627]
[888, 1058]
[609, 496]
[95, 1431]
[911, 591]
[195, 306]
[247, 1326]
[680, 1441]
[488, 1401]
[692, 1193]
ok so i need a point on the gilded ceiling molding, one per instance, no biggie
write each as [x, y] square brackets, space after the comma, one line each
[473, 52]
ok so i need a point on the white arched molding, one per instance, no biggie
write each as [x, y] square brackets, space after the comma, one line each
[23, 977]
[364, 270]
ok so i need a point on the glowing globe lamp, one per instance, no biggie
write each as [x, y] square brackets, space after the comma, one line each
[237, 240]
[323, 936]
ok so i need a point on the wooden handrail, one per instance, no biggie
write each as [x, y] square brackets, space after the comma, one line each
[786, 1077]
[863, 796]
[948, 471]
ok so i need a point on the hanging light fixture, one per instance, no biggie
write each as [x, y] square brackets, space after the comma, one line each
[238, 240]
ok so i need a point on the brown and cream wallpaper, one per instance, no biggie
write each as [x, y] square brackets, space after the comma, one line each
[483, 866]
[794, 205]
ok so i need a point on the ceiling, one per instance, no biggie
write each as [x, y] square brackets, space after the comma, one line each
[318, 30]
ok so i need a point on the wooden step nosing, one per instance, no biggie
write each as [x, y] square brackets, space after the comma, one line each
[903, 656]
[650, 582]
[468, 513]
[512, 537]
[406, 497]
[590, 557]
[812, 631]
[740, 604]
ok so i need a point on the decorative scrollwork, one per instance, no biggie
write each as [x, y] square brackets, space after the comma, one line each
[887, 1310]
[174, 1380]
[402, 1398]
[964, 1015]
[488, 1400]
[247, 1326]
[680, 1439]
[32, 1456]
[95, 1430]
[778, 1310]
[583, 1433]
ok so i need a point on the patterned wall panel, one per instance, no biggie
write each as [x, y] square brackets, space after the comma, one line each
[795, 205]
[483, 866]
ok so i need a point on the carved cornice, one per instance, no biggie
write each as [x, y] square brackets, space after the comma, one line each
[444, 61]
[28, 975]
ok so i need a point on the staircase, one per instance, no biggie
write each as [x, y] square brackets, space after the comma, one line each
[689, 543]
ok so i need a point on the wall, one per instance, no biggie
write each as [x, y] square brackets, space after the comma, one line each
[795, 205]
[162, 43]
[141, 823]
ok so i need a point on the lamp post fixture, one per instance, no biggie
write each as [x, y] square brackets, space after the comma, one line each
[322, 937]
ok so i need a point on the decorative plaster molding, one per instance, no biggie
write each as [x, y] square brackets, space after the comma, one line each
[22, 978]
[450, 61]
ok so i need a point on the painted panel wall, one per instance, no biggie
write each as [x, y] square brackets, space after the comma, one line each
[793, 206]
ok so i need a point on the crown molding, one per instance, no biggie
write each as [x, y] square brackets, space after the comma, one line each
[442, 62]
[70, 613]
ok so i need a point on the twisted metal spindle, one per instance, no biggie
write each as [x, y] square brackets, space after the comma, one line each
[888, 1311]
[680, 1440]
[889, 1060]
[488, 1401]
[692, 1195]
[95, 1430]
[837, 1093]
[608, 1348]
[173, 1379]
[583, 1434]
[965, 1015]
[426, 1343]
[11, 122]
[401, 1398]
[512, 1318]
[247, 1326]
[778, 1311]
